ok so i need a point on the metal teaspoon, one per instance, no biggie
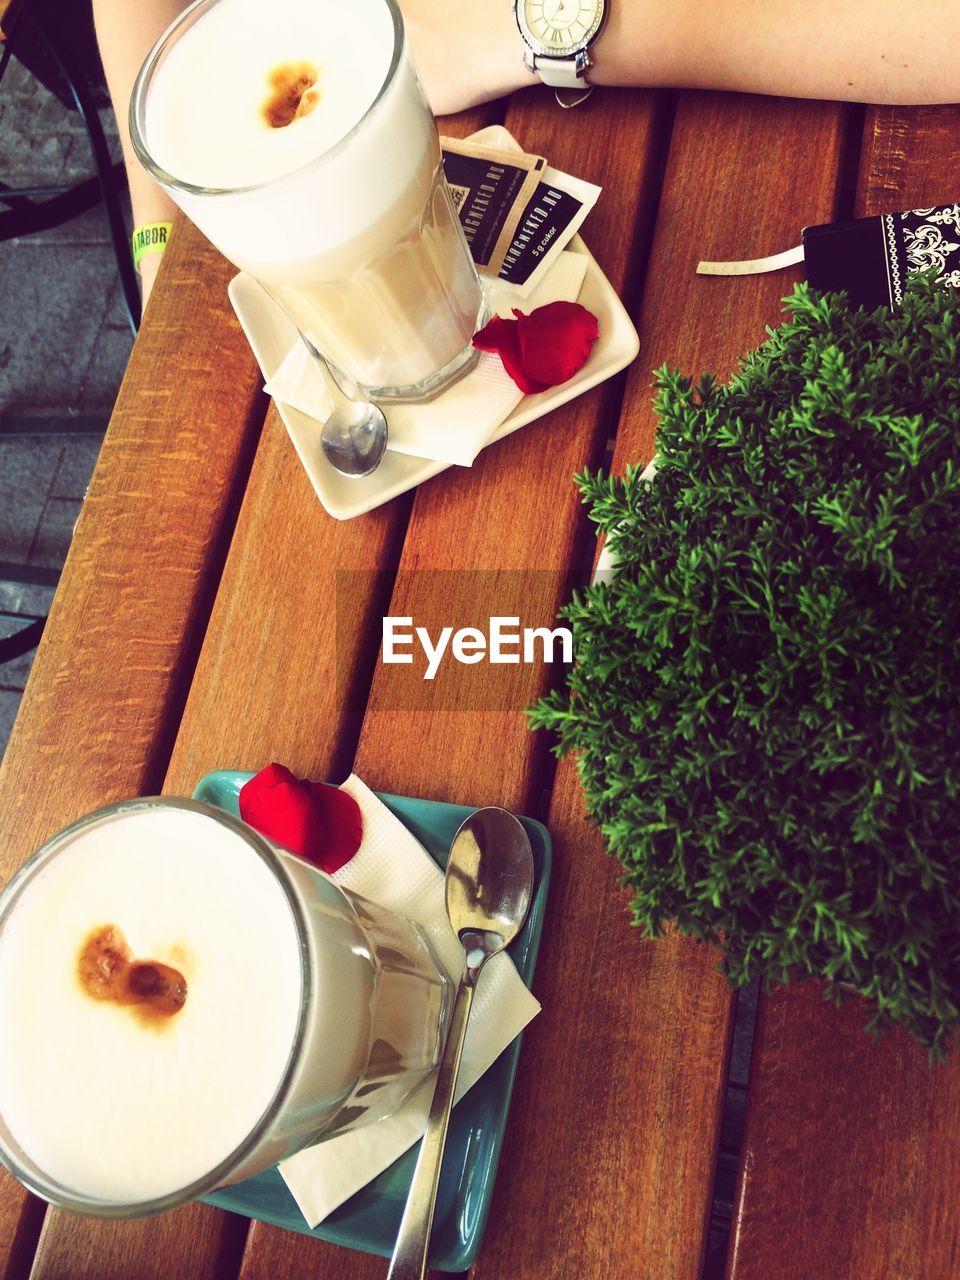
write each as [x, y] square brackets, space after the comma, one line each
[488, 885]
[354, 436]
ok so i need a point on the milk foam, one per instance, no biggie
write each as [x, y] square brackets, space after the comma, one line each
[307, 201]
[359, 243]
[206, 123]
[107, 1105]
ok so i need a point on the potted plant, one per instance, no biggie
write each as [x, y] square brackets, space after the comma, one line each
[765, 699]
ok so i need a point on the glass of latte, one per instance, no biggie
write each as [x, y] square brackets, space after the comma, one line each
[296, 136]
[183, 1005]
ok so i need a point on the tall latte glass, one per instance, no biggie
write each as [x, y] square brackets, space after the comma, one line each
[183, 1005]
[297, 138]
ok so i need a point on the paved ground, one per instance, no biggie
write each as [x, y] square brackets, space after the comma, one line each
[64, 343]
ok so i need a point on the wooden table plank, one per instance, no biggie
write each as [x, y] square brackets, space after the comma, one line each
[516, 510]
[268, 688]
[90, 1249]
[631, 1179]
[608, 1164]
[95, 721]
[286, 661]
[271, 1253]
[910, 159]
[542, 1211]
[283, 675]
[21, 1218]
[414, 753]
[127, 617]
[264, 688]
[851, 1162]
[447, 530]
[745, 174]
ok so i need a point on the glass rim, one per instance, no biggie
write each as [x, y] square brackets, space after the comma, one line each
[141, 88]
[76, 1202]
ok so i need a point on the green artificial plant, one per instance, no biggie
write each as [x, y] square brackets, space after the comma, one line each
[765, 700]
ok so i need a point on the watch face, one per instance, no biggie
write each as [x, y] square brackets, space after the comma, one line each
[557, 27]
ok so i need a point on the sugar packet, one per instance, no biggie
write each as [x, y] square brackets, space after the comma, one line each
[517, 212]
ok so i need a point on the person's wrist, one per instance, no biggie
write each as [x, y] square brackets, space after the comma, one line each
[503, 70]
[511, 52]
[489, 30]
[601, 62]
[148, 242]
[149, 267]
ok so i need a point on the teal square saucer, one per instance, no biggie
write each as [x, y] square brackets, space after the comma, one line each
[369, 1220]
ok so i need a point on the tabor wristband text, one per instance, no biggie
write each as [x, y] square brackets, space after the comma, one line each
[152, 237]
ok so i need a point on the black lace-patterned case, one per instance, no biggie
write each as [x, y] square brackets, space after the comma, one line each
[872, 258]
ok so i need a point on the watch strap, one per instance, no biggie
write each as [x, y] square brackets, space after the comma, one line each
[563, 73]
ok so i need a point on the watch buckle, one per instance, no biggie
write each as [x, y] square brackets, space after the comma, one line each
[581, 95]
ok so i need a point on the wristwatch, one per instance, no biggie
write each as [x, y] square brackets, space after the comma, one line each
[557, 35]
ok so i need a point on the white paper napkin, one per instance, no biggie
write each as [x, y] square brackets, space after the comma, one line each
[393, 869]
[454, 427]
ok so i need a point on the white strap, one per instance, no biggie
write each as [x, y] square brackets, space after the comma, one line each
[559, 73]
[752, 266]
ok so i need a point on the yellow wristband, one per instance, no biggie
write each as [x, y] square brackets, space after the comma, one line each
[150, 238]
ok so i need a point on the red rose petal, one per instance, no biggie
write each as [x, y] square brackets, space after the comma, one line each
[340, 818]
[544, 348]
[556, 340]
[321, 824]
[502, 337]
[280, 806]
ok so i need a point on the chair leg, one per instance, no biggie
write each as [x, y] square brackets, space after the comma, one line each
[5, 53]
[22, 641]
[58, 424]
[46, 29]
[28, 637]
[28, 574]
[52, 210]
[40, 215]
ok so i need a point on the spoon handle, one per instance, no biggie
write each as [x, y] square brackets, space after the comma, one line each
[409, 1261]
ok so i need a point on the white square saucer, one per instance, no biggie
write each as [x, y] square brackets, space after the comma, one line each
[271, 335]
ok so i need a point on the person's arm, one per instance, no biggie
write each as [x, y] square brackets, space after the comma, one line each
[881, 51]
[126, 33]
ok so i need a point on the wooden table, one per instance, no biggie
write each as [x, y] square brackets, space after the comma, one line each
[195, 628]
